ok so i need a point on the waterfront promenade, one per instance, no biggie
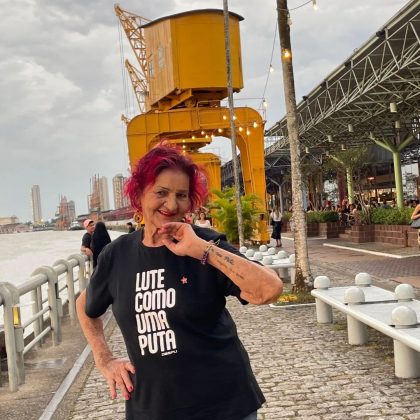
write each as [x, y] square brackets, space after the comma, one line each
[306, 370]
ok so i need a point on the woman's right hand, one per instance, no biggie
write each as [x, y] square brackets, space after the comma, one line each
[117, 375]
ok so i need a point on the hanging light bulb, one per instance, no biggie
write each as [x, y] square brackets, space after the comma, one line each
[314, 5]
[206, 136]
[285, 53]
[248, 132]
[224, 117]
[330, 139]
[212, 136]
[393, 107]
[397, 124]
[289, 19]
[219, 130]
[203, 132]
[271, 68]
[327, 153]
[265, 104]
[255, 125]
[193, 137]
[306, 149]
[351, 129]
[343, 147]
[234, 118]
[241, 129]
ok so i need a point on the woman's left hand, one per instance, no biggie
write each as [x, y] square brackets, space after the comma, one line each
[188, 243]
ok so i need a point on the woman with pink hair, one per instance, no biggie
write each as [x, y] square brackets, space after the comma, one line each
[167, 284]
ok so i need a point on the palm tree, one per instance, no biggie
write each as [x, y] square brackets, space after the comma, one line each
[303, 279]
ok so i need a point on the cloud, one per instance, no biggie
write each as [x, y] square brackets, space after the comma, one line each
[63, 94]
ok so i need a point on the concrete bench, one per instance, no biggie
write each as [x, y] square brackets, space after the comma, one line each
[393, 314]
[280, 262]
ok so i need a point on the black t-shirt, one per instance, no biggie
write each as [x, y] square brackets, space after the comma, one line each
[86, 240]
[190, 363]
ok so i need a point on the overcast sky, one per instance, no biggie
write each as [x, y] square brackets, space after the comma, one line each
[62, 93]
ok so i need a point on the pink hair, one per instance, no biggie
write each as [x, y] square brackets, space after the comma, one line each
[158, 159]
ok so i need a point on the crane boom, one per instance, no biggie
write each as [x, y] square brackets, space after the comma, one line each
[139, 85]
[131, 24]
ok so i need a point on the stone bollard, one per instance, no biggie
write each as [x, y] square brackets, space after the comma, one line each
[324, 313]
[267, 260]
[263, 248]
[249, 253]
[271, 251]
[356, 330]
[282, 254]
[243, 249]
[258, 256]
[406, 359]
[363, 280]
[404, 293]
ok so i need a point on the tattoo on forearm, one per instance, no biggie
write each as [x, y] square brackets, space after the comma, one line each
[228, 260]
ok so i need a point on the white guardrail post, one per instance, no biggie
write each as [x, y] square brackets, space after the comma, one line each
[356, 330]
[13, 334]
[54, 302]
[324, 314]
[82, 276]
[70, 286]
[406, 359]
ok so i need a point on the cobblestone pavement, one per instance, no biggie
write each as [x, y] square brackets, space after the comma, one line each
[306, 370]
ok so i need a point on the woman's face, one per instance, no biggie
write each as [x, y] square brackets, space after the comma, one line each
[202, 216]
[167, 199]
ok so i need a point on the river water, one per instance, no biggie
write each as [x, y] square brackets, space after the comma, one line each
[22, 253]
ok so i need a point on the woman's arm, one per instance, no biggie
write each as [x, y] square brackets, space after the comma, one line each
[259, 285]
[115, 371]
[416, 213]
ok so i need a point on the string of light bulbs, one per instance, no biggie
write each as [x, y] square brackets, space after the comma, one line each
[263, 103]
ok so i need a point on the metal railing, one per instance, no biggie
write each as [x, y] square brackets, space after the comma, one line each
[50, 289]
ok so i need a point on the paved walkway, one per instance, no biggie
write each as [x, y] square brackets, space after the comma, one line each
[306, 370]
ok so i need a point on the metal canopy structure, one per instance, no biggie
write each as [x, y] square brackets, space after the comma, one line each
[377, 89]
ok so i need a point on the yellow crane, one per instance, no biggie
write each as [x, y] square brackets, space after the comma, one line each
[179, 86]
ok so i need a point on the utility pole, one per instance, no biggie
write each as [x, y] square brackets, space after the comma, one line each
[303, 279]
[232, 124]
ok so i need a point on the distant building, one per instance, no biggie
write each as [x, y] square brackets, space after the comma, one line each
[36, 204]
[65, 213]
[8, 220]
[120, 200]
[15, 228]
[72, 210]
[104, 193]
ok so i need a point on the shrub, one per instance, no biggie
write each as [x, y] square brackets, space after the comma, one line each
[225, 213]
[391, 216]
[322, 216]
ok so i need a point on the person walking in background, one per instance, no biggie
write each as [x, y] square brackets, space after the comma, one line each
[276, 222]
[89, 225]
[100, 238]
[167, 284]
[202, 221]
[130, 227]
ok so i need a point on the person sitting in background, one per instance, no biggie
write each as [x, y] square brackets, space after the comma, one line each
[100, 238]
[130, 227]
[167, 284]
[202, 221]
[89, 225]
